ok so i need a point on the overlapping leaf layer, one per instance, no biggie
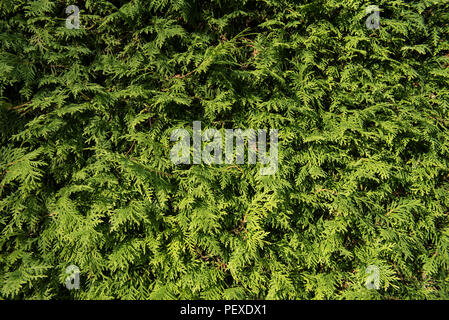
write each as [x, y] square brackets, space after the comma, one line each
[85, 171]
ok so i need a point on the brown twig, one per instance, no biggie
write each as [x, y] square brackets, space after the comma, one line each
[178, 76]
[86, 97]
[206, 258]
[240, 227]
[21, 106]
[131, 149]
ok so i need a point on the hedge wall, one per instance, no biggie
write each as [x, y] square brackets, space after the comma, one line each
[86, 177]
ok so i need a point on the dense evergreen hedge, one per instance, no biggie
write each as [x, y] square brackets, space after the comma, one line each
[85, 171]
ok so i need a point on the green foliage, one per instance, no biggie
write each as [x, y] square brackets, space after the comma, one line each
[85, 170]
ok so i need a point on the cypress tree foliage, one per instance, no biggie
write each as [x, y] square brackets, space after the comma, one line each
[85, 171]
